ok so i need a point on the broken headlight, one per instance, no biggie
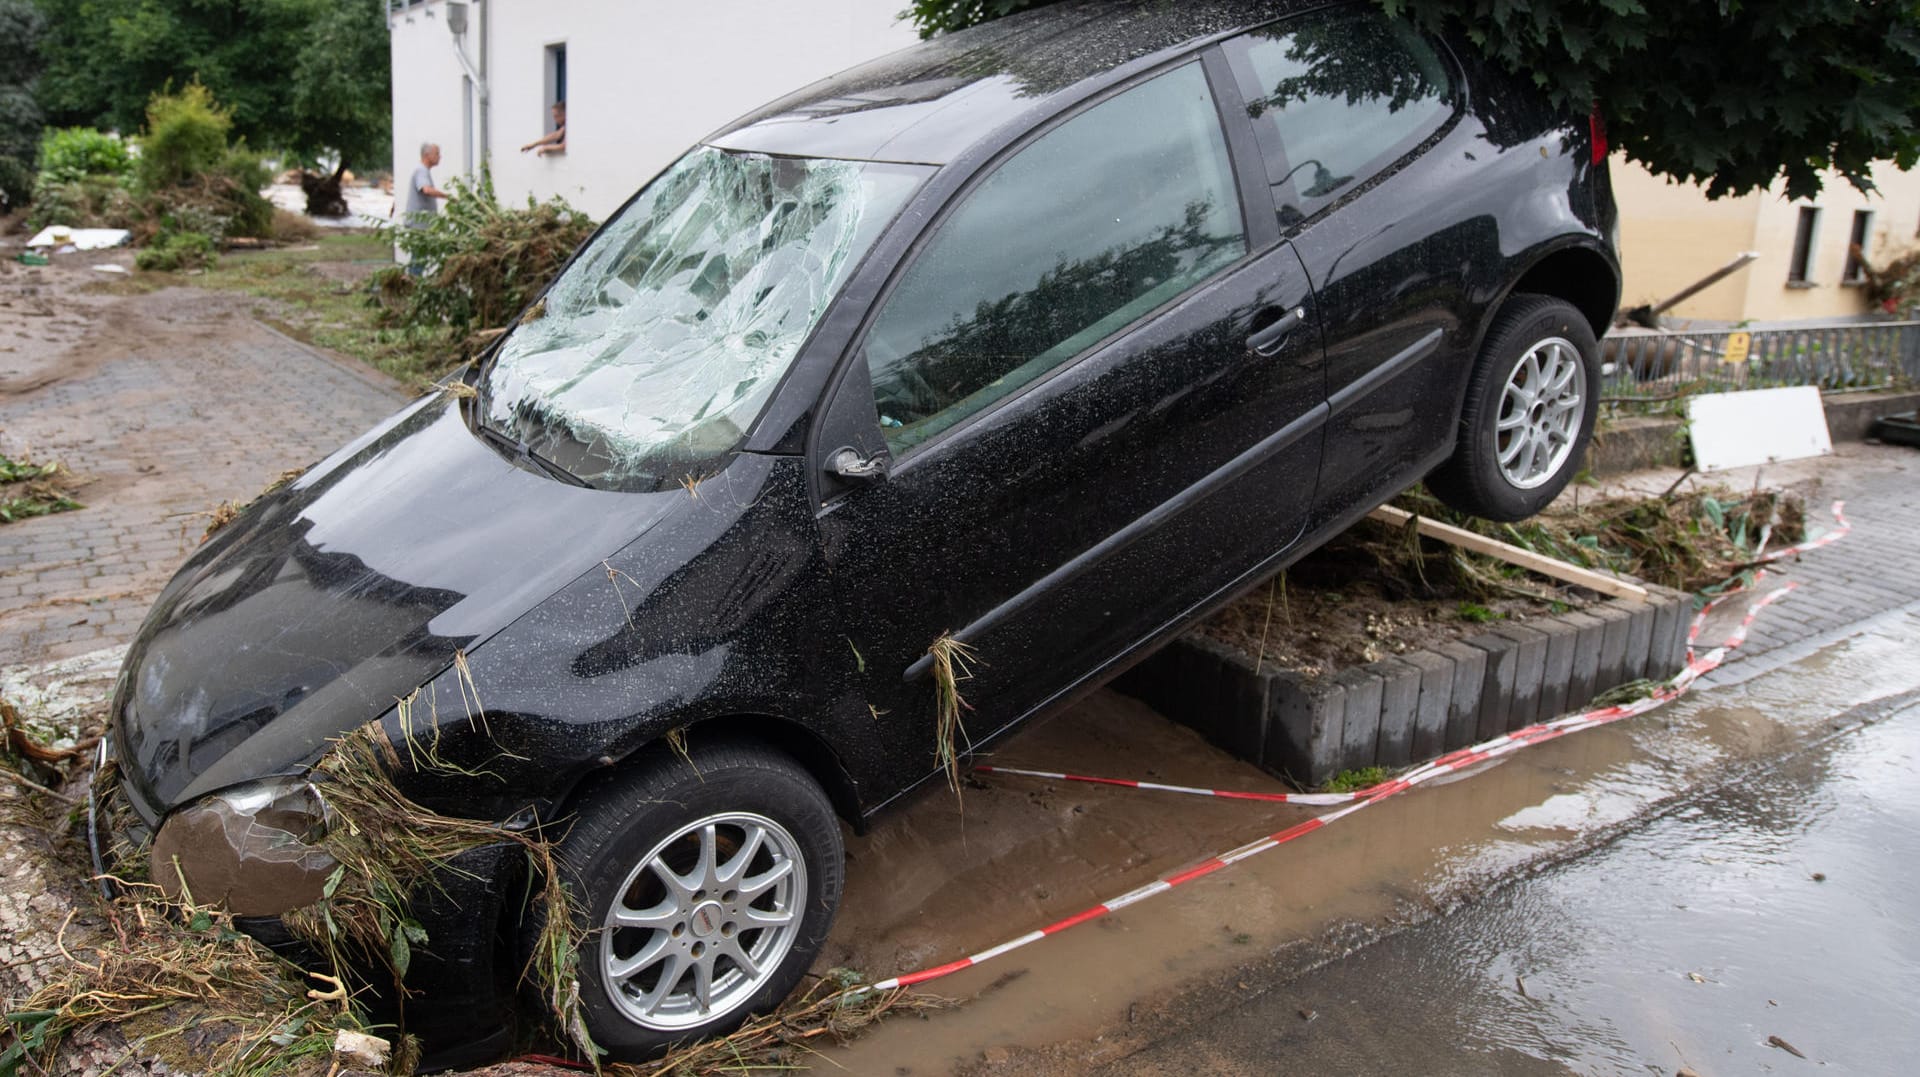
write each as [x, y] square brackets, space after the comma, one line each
[252, 849]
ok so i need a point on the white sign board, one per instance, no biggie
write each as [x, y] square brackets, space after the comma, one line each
[1758, 426]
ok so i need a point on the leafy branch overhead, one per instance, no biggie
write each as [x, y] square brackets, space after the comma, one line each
[1734, 94]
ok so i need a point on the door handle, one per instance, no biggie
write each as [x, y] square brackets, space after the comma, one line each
[1266, 342]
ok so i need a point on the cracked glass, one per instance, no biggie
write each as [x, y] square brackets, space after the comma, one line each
[653, 352]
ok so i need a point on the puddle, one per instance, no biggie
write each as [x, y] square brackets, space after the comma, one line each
[923, 891]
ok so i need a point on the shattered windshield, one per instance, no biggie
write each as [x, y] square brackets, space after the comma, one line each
[653, 352]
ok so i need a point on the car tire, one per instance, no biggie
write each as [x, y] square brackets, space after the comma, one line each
[1529, 412]
[694, 817]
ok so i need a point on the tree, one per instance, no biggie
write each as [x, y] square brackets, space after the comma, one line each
[20, 119]
[304, 76]
[342, 96]
[1732, 93]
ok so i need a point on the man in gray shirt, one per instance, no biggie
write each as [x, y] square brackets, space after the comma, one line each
[421, 193]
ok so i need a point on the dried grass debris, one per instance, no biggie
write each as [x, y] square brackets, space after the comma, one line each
[952, 663]
[839, 1006]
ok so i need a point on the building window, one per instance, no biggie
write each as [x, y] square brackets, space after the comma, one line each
[1856, 271]
[1799, 268]
[556, 81]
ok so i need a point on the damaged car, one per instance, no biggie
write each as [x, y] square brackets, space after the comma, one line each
[1047, 337]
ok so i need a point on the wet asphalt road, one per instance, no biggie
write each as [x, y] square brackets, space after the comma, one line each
[1785, 904]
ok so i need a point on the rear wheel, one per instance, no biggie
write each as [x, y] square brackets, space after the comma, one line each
[708, 885]
[1529, 412]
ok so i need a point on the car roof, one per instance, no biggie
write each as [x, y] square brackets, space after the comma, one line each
[930, 102]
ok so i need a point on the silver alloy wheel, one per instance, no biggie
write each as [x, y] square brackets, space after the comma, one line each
[703, 921]
[1541, 410]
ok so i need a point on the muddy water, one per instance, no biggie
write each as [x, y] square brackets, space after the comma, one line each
[1233, 943]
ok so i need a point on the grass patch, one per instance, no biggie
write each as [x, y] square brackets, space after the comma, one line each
[1352, 781]
[322, 294]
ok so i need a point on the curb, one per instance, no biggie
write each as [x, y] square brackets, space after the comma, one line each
[1414, 707]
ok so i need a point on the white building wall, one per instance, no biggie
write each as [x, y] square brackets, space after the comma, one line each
[645, 80]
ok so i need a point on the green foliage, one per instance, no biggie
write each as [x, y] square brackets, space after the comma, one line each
[88, 202]
[482, 262]
[296, 74]
[72, 153]
[173, 251]
[1351, 781]
[1735, 95]
[21, 27]
[1476, 613]
[342, 98]
[185, 137]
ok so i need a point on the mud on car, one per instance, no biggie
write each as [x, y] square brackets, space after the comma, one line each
[1049, 337]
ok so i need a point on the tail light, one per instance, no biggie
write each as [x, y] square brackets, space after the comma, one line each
[1597, 127]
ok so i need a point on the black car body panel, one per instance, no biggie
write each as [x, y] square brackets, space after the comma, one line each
[424, 578]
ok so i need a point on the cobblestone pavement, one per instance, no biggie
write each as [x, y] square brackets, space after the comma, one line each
[165, 404]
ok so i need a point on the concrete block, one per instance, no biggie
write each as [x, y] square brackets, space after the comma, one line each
[1436, 699]
[1209, 687]
[1557, 678]
[1496, 685]
[1399, 700]
[1667, 655]
[1304, 728]
[1639, 639]
[1613, 648]
[1586, 658]
[1469, 680]
[1529, 671]
[1360, 719]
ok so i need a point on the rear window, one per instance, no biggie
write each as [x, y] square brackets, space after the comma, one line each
[1335, 98]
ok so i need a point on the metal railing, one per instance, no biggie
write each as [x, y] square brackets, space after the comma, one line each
[1646, 370]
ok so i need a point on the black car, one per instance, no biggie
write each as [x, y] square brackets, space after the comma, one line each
[1048, 337]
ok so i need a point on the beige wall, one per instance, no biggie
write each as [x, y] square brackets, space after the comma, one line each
[1671, 234]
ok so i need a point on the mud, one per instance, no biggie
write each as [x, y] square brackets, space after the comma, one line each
[1100, 994]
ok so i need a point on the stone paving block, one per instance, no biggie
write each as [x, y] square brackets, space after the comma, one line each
[1529, 668]
[1436, 700]
[1562, 637]
[1305, 728]
[1613, 647]
[1360, 718]
[1399, 702]
[1667, 654]
[1469, 680]
[1496, 685]
[1639, 639]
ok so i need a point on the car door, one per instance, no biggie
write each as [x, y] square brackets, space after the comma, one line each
[1349, 108]
[1080, 443]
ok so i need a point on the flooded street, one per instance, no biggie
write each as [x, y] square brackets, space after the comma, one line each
[1780, 906]
[1666, 893]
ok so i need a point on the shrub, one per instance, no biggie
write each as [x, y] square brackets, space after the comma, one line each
[69, 154]
[88, 202]
[173, 251]
[483, 262]
[185, 138]
[291, 227]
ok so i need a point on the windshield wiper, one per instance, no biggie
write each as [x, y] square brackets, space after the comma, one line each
[522, 451]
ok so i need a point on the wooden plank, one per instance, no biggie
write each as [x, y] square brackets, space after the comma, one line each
[1513, 555]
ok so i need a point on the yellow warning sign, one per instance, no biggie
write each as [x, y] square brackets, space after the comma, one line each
[1737, 345]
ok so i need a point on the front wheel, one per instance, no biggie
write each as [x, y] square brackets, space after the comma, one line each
[1529, 412]
[708, 884]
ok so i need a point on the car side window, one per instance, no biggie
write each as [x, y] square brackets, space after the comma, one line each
[1082, 232]
[1335, 97]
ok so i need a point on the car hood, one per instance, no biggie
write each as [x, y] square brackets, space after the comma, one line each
[326, 601]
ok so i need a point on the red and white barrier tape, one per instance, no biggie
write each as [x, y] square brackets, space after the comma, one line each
[1505, 744]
